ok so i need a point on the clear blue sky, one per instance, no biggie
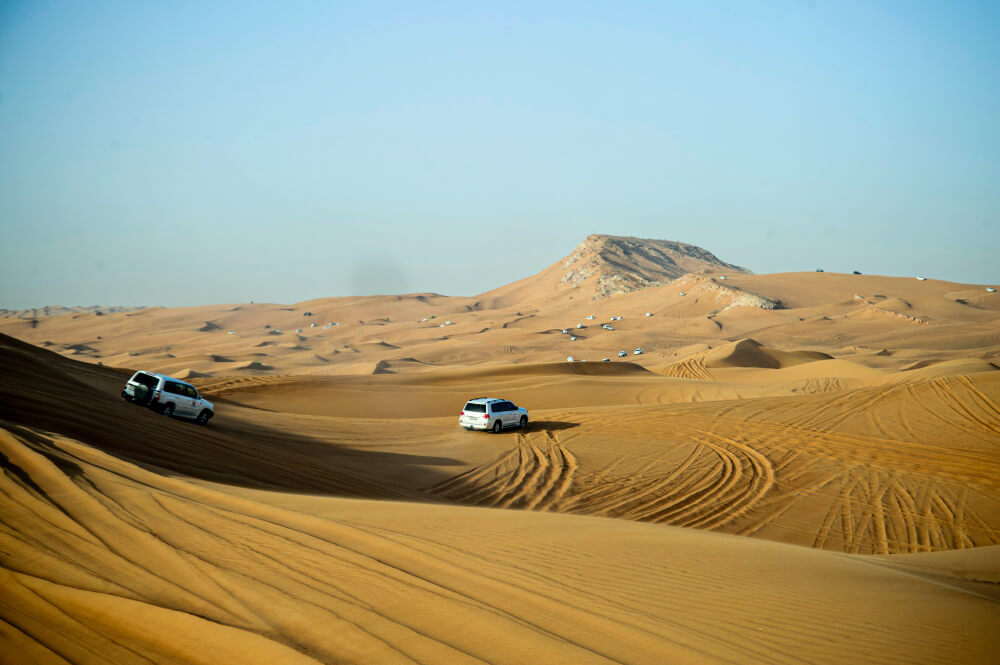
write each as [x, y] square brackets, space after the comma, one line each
[284, 151]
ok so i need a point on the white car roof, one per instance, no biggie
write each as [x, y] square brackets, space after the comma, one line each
[485, 400]
[162, 376]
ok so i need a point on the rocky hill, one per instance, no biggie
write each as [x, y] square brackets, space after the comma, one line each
[620, 264]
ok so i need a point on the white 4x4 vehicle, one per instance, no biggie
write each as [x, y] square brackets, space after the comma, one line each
[490, 413]
[169, 396]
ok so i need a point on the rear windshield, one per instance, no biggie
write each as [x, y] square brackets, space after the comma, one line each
[475, 407]
[145, 380]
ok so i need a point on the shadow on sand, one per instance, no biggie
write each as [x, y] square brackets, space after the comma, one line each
[51, 394]
[550, 425]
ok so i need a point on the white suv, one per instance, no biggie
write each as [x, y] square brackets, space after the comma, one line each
[490, 413]
[169, 396]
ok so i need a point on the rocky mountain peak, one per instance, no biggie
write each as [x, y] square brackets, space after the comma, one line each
[621, 264]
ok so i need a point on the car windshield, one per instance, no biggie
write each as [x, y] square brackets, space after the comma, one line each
[475, 407]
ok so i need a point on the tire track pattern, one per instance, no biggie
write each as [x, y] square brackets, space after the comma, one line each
[537, 474]
[750, 483]
[690, 368]
[718, 482]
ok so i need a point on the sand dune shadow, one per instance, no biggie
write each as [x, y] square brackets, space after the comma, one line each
[551, 425]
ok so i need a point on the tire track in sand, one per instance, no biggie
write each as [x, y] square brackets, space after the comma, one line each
[536, 474]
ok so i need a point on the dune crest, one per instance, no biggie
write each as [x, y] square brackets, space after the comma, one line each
[751, 353]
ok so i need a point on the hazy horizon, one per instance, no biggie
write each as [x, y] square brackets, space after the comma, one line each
[286, 153]
[372, 267]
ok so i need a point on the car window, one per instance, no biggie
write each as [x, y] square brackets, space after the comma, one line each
[475, 407]
[191, 392]
[506, 406]
[145, 380]
[172, 387]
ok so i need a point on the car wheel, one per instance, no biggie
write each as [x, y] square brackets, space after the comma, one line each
[204, 416]
[497, 426]
[168, 411]
[524, 422]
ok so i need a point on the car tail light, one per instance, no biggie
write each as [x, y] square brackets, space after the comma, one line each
[156, 395]
[486, 415]
[461, 413]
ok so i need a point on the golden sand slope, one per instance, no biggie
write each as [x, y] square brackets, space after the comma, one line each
[166, 570]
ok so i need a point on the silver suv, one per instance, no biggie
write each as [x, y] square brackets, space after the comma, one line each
[490, 413]
[167, 395]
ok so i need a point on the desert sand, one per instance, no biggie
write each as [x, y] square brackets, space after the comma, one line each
[799, 467]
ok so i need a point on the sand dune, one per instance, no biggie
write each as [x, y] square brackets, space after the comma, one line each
[187, 374]
[751, 353]
[334, 580]
[798, 468]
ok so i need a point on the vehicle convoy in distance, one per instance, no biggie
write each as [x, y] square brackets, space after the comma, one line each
[492, 414]
[167, 395]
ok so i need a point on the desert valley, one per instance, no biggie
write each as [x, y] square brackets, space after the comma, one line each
[720, 467]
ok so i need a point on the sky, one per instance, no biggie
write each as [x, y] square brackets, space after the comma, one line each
[210, 152]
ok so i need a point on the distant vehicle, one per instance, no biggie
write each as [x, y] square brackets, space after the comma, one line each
[819, 270]
[649, 314]
[569, 359]
[579, 325]
[990, 289]
[607, 327]
[298, 330]
[565, 331]
[313, 325]
[307, 313]
[605, 360]
[591, 317]
[167, 395]
[638, 351]
[682, 293]
[722, 276]
[493, 414]
[622, 354]
[857, 272]
[230, 332]
[572, 339]
[922, 279]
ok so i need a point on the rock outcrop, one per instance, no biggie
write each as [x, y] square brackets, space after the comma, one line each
[618, 264]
